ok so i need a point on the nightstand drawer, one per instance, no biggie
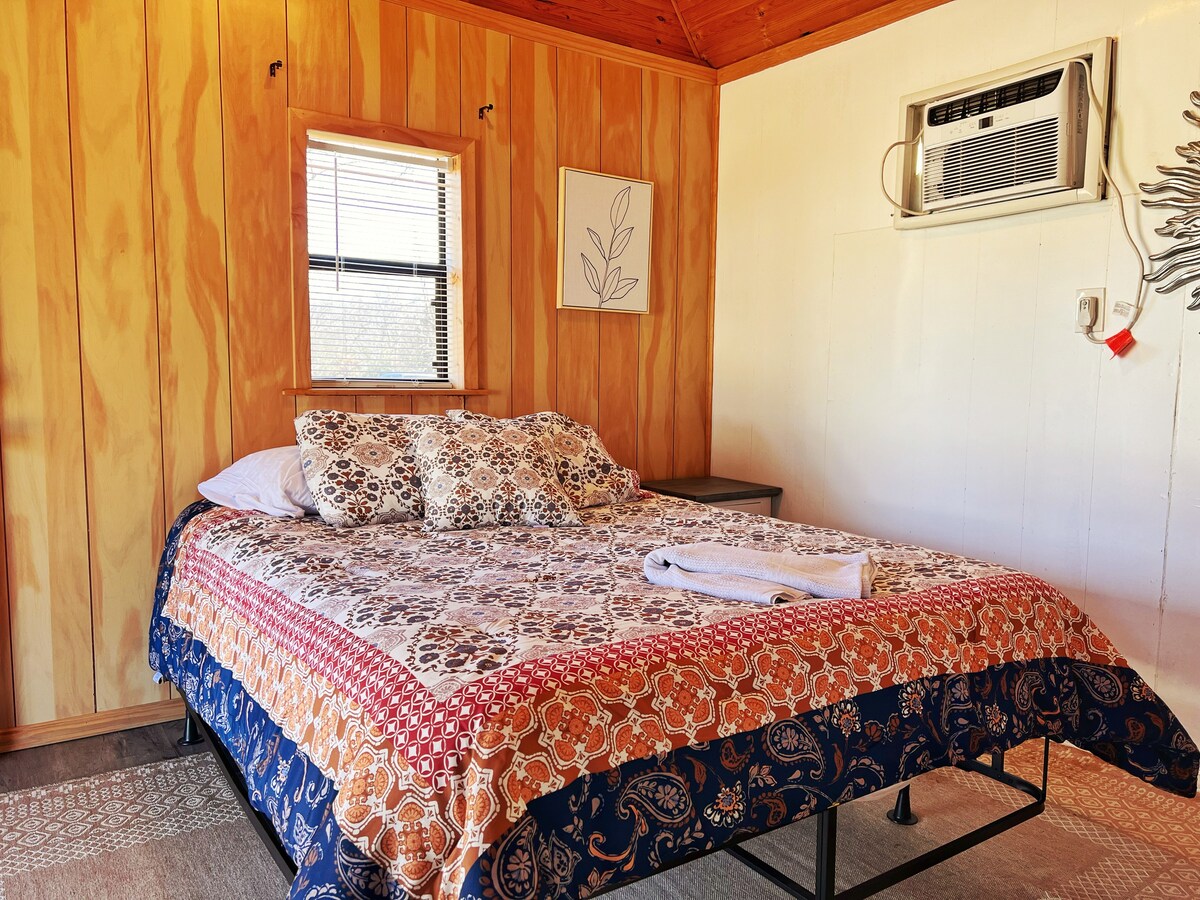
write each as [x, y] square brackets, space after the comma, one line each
[759, 505]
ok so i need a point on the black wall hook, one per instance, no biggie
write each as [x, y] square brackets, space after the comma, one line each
[275, 67]
[486, 109]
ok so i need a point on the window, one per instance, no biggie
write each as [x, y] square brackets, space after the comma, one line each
[380, 300]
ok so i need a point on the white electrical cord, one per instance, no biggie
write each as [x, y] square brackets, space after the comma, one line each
[883, 180]
[1137, 251]
[1140, 294]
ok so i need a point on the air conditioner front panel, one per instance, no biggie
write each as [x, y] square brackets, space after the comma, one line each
[991, 165]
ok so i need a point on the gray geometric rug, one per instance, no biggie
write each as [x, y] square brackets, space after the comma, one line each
[168, 829]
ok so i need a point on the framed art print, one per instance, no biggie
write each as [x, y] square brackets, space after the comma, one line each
[603, 241]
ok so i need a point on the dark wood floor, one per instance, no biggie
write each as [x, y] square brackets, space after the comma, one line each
[84, 758]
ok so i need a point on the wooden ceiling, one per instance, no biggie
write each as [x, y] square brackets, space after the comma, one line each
[716, 33]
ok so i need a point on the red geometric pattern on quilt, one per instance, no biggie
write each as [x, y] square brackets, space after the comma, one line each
[445, 680]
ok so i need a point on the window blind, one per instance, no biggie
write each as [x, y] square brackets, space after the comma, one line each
[379, 248]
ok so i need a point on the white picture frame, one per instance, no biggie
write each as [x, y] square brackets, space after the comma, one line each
[604, 239]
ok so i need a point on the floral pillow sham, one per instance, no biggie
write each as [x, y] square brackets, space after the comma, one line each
[586, 470]
[480, 471]
[362, 468]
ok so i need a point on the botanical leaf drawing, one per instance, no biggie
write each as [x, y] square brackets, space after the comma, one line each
[620, 206]
[599, 243]
[624, 286]
[610, 285]
[611, 279]
[621, 240]
[589, 272]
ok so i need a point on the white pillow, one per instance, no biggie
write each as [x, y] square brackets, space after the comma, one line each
[270, 481]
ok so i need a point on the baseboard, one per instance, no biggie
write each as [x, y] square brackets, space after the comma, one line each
[24, 736]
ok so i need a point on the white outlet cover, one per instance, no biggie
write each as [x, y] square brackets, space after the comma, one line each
[1099, 294]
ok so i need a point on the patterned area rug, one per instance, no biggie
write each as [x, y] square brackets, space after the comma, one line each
[168, 829]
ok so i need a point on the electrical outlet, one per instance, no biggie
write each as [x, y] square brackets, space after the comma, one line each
[1086, 309]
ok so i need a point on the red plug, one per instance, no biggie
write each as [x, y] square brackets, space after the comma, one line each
[1120, 342]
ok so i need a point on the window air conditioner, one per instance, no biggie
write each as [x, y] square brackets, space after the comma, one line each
[1026, 137]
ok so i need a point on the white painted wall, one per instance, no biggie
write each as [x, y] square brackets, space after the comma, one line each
[928, 386]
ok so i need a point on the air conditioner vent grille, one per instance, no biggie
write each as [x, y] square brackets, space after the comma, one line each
[992, 161]
[992, 99]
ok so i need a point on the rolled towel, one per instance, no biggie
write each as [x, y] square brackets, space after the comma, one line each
[760, 576]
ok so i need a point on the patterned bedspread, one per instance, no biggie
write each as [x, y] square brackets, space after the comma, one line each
[516, 712]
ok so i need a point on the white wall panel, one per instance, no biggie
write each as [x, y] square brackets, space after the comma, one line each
[997, 423]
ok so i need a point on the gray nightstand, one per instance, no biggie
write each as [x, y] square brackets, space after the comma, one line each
[745, 496]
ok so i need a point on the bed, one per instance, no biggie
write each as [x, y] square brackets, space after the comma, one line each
[516, 712]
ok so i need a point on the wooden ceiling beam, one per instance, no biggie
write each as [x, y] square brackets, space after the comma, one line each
[826, 37]
[687, 32]
[531, 30]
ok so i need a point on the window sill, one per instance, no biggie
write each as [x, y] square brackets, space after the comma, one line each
[368, 391]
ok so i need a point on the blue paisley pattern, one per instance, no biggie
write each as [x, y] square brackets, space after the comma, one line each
[617, 826]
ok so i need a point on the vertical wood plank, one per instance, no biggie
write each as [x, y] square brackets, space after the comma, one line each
[41, 409]
[433, 73]
[378, 61]
[434, 97]
[7, 699]
[318, 71]
[693, 345]
[391, 405]
[319, 77]
[485, 79]
[578, 370]
[344, 403]
[534, 234]
[620, 154]
[656, 362]
[189, 243]
[435, 404]
[257, 206]
[106, 45]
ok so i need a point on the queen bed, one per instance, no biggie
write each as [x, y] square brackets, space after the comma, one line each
[515, 712]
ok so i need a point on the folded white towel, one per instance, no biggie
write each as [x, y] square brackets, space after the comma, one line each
[760, 576]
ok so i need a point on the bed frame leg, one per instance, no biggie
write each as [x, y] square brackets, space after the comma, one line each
[191, 734]
[826, 854]
[902, 813]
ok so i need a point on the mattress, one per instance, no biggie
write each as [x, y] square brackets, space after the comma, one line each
[516, 712]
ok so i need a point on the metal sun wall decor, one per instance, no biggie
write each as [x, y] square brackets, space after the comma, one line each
[604, 242]
[1179, 264]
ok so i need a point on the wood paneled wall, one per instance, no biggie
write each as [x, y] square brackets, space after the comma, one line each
[145, 316]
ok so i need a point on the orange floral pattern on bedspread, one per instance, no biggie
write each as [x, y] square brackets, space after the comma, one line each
[445, 681]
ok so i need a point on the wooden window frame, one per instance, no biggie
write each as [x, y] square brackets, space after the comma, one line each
[462, 152]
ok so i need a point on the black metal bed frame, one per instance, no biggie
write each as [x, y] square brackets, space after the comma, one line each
[826, 855]
[196, 730]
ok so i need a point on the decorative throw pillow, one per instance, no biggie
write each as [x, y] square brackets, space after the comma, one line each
[361, 469]
[586, 470]
[478, 472]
